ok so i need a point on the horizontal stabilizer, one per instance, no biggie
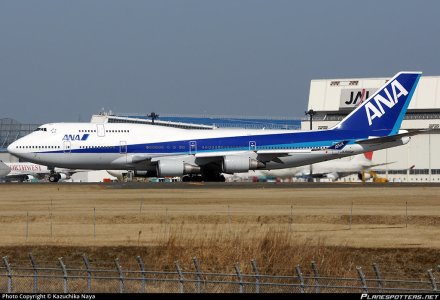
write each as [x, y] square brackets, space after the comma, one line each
[392, 138]
[382, 164]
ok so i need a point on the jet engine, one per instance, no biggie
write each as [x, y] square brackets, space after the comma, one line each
[365, 176]
[332, 176]
[240, 164]
[175, 168]
[29, 178]
[148, 173]
[63, 176]
[55, 177]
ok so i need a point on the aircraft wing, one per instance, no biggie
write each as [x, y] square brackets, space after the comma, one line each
[134, 159]
[219, 154]
[140, 158]
[378, 165]
[70, 172]
[262, 155]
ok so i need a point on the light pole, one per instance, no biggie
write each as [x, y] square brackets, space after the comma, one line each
[311, 113]
[153, 117]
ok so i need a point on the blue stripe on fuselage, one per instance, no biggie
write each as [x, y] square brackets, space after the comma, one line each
[295, 140]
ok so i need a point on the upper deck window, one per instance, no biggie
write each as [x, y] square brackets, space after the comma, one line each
[41, 129]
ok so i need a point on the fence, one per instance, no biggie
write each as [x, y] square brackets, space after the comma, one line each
[86, 279]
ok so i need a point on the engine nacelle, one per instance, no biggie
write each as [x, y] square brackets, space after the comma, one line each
[145, 173]
[332, 176]
[240, 164]
[55, 177]
[175, 168]
[364, 176]
[29, 177]
[63, 176]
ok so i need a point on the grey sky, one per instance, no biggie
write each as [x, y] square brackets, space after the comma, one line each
[65, 60]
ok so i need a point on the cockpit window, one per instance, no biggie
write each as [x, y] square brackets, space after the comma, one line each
[41, 129]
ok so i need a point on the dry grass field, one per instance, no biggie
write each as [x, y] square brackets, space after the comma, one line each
[339, 228]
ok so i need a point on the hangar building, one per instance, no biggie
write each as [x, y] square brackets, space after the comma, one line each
[417, 161]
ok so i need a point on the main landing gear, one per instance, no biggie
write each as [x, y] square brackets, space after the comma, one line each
[205, 178]
[54, 177]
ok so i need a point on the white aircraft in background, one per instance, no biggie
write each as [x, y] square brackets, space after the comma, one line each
[159, 151]
[25, 171]
[333, 170]
[121, 175]
[360, 164]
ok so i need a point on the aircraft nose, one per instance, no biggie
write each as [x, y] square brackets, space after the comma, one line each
[12, 147]
[4, 169]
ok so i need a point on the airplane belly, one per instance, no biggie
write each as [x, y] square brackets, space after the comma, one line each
[92, 161]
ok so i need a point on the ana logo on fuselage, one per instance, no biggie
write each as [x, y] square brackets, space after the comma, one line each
[375, 109]
[75, 137]
[339, 145]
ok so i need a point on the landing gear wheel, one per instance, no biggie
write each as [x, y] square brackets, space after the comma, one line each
[54, 177]
[214, 178]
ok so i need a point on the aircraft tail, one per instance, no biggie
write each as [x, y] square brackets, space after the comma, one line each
[369, 155]
[382, 113]
[364, 158]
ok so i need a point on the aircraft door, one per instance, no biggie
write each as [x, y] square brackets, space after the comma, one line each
[100, 130]
[123, 147]
[252, 146]
[192, 147]
[67, 147]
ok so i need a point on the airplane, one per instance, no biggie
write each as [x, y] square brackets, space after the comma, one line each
[159, 151]
[120, 175]
[372, 174]
[332, 170]
[25, 171]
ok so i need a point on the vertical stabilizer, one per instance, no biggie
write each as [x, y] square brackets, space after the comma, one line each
[382, 113]
[369, 155]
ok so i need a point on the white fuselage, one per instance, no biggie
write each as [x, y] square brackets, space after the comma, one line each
[26, 168]
[23, 170]
[122, 146]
